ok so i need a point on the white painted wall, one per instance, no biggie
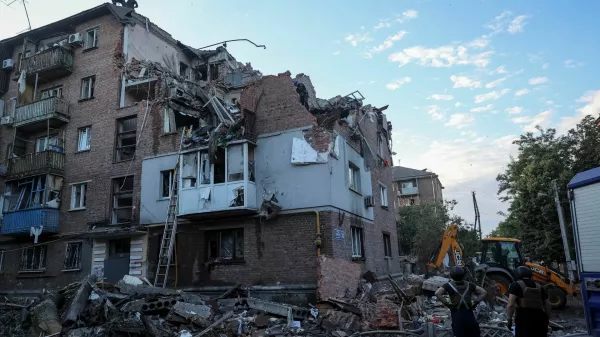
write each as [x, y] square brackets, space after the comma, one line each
[587, 211]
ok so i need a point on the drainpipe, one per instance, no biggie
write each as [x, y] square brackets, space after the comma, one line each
[318, 239]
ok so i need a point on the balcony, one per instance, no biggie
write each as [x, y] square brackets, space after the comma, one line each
[409, 191]
[50, 64]
[35, 164]
[35, 115]
[20, 222]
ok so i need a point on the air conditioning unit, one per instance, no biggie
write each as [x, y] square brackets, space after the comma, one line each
[369, 201]
[6, 120]
[76, 39]
[8, 64]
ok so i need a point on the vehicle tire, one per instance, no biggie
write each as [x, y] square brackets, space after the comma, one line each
[556, 296]
[502, 282]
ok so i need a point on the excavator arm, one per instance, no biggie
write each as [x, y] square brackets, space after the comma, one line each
[545, 275]
[450, 246]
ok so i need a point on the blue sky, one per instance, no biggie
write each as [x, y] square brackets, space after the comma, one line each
[462, 78]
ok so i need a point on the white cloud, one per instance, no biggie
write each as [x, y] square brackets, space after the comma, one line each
[483, 108]
[389, 42]
[514, 110]
[495, 83]
[440, 97]
[457, 104]
[460, 120]
[479, 43]
[500, 70]
[410, 14]
[385, 23]
[444, 56]
[517, 24]
[356, 39]
[469, 133]
[537, 57]
[573, 64]
[337, 52]
[592, 98]
[396, 84]
[493, 95]
[521, 92]
[545, 65]
[542, 119]
[538, 80]
[464, 82]
[436, 112]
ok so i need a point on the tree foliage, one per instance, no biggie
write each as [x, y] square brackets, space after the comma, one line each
[527, 185]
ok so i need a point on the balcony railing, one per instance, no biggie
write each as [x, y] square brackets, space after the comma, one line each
[50, 64]
[20, 222]
[48, 108]
[409, 191]
[35, 164]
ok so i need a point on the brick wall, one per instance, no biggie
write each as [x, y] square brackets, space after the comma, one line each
[336, 277]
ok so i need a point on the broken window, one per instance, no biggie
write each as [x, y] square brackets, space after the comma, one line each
[357, 241]
[203, 72]
[73, 256]
[122, 208]
[214, 72]
[183, 69]
[126, 138]
[412, 201]
[387, 245]
[2, 253]
[52, 92]
[33, 258]
[169, 125]
[78, 196]
[384, 195]
[119, 247]
[380, 143]
[219, 163]
[353, 177]
[45, 143]
[189, 171]
[226, 244]
[84, 137]
[235, 163]
[251, 162]
[204, 168]
[87, 87]
[91, 38]
[166, 183]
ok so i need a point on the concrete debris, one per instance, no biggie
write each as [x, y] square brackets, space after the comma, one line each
[386, 303]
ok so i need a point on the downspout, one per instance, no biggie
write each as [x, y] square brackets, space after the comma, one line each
[433, 187]
[318, 239]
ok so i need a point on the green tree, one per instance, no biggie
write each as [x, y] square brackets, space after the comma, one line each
[526, 184]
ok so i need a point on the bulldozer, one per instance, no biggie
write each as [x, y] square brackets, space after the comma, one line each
[497, 263]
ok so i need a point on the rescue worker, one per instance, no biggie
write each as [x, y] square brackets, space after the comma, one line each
[531, 301]
[461, 303]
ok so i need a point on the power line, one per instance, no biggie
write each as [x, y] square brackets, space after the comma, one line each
[26, 13]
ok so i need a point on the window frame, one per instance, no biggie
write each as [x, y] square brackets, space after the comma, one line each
[387, 245]
[79, 251]
[49, 92]
[380, 143]
[354, 182]
[42, 259]
[88, 135]
[383, 194]
[238, 233]
[357, 239]
[83, 200]
[118, 149]
[89, 90]
[2, 256]
[171, 178]
[115, 198]
[94, 44]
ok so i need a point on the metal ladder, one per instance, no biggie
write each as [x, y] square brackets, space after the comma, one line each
[170, 230]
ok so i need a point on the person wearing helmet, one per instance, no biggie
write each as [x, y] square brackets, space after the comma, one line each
[532, 306]
[461, 303]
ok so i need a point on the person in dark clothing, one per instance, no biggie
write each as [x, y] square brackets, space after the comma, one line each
[461, 303]
[530, 300]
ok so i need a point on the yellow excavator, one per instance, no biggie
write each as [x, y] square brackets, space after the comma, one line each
[499, 259]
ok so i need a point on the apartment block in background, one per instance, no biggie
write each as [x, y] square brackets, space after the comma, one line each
[416, 187]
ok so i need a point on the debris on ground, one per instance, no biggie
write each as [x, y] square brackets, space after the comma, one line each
[132, 308]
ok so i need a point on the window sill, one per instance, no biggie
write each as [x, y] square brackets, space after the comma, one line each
[32, 271]
[385, 207]
[123, 161]
[231, 262]
[355, 191]
[165, 134]
[77, 209]
[82, 151]
[358, 258]
[89, 49]
[70, 270]
[85, 99]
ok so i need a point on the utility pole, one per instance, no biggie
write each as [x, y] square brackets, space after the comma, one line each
[477, 224]
[563, 231]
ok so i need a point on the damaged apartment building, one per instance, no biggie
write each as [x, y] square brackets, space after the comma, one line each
[106, 117]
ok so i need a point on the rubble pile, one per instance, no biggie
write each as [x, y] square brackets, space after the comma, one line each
[132, 308]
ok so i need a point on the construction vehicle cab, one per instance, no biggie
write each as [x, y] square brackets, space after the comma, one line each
[502, 256]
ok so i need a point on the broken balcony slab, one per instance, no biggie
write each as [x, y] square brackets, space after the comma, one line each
[141, 88]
